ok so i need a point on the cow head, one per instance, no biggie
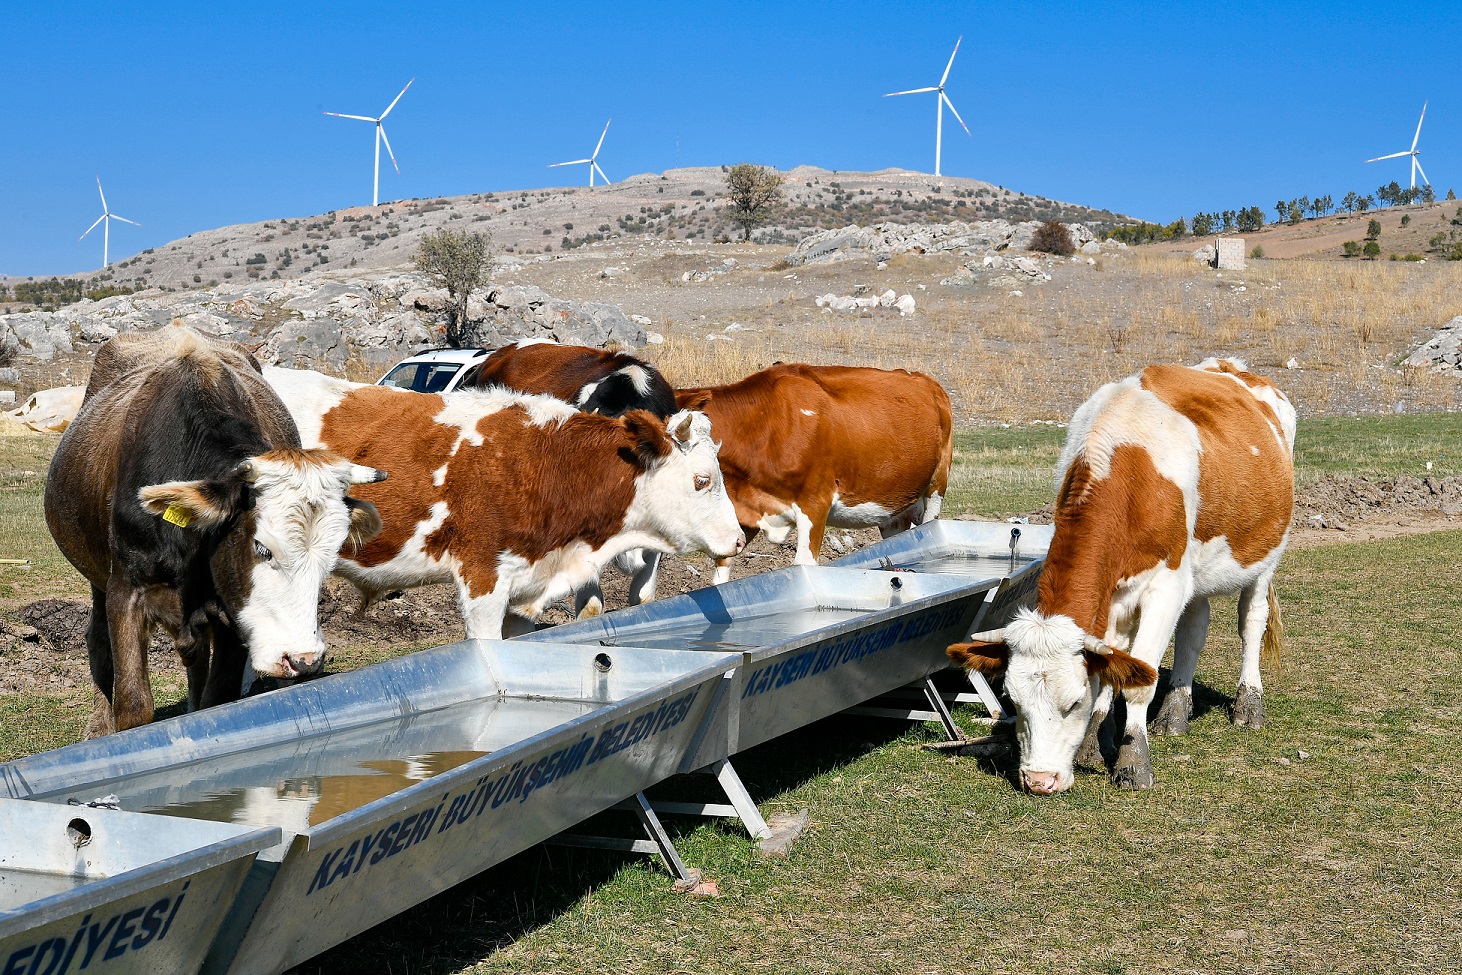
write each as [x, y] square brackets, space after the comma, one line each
[680, 497]
[1053, 672]
[279, 521]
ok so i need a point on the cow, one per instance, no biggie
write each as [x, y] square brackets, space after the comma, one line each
[516, 499]
[808, 447]
[1176, 485]
[182, 495]
[596, 381]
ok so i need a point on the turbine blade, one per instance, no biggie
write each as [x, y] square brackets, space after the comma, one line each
[92, 227]
[382, 129]
[124, 220]
[101, 194]
[956, 114]
[396, 99]
[1417, 162]
[951, 62]
[1418, 126]
[601, 140]
[571, 162]
[601, 172]
[1394, 155]
[362, 118]
[911, 91]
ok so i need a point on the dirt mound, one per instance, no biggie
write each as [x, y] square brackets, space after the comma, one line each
[61, 623]
[1334, 499]
[418, 614]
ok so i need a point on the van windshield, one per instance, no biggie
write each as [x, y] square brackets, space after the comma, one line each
[422, 377]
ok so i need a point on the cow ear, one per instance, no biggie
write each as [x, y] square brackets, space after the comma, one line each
[365, 522]
[190, 504]
[1119, 669]
[646, 435]
[987, 658]
[696, 400]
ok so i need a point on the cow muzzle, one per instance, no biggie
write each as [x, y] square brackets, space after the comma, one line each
[1042, 783]
[295, 665]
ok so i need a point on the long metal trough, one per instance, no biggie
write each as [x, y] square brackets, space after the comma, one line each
[396, 781]
[113, 892]
[815, 640]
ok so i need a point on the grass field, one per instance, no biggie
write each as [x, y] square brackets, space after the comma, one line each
[1327, 841]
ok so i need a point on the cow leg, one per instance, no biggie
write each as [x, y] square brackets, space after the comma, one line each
[515, 624]
[225, 679]
[645, 578]
[1253, 619]
[127, 625]
[809, 536]
[99, 654]
[588, 600]
[1188, 642]
[484, 616]
[1089, 755]
[1159, 617]
[198, 661]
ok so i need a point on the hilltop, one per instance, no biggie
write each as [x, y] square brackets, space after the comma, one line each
[680, 204]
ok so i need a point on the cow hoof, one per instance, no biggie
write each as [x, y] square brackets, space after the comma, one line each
[1089, 755]
[1249, 708]
[1134, 778]
[1173, 718]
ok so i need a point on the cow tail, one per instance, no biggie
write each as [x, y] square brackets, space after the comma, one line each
[946, 461]
[1271, 650]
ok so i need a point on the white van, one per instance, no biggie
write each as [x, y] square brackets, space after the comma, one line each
[434, 370]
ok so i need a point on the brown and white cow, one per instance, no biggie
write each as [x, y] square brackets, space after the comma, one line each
[808, 447]
[517, 499]
[596, 381]
[180, 492]
[1175, 485]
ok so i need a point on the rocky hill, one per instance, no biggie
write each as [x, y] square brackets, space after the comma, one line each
[681, 204]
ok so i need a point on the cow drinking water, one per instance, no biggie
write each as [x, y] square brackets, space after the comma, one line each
[180, 492]
[1176, 484]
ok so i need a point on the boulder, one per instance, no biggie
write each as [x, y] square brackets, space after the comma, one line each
[50, 410]
[1205, 254]
[1442, 352]
[905, 305]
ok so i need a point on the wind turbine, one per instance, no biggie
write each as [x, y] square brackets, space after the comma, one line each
[106, 218]
[380, 137]
[1413, 152]
[939, 106]
[593, 164]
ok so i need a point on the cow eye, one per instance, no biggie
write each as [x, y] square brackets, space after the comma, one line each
[702, 481]
[262, 550]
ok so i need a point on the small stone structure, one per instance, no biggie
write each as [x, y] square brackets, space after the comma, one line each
[1230, 254]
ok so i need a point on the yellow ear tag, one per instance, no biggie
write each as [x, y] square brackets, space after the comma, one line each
[178, 515]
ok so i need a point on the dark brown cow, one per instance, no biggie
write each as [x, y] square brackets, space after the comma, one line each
[808, 447]
[180, 492]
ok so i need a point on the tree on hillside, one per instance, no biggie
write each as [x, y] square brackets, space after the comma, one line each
[1282, 209]
[1428, 195]
[1364, 203]
[1351, 248]
[1297, 209]
[1373, 230]
[1250, 219]
[1372, 250]
[1202, 224]
[754, 192]
[1052, 237]
[1350, 202]
[457, 260]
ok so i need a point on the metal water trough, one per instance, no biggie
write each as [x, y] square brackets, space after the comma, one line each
[396, 781]
[113, 892]
[815, 639]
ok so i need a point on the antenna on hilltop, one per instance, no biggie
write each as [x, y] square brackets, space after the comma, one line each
[592, 160]
[106, 218]
[939, 104]
[380, 137]
[1413, 152]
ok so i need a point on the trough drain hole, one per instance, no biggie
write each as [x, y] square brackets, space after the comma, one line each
[78, 831]
[602, 663]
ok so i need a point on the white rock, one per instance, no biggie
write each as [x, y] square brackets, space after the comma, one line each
[905, 305]
[640, 320]
[654, 338]
[887, 299]
[1292, 363]
[1017, 294]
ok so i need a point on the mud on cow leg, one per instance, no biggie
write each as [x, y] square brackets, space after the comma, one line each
[1177, 709]
[1249, 707]
[1134, 763]
[1089, 755]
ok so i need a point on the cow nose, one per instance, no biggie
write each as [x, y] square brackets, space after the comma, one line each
[302, 664]
[740, 542]
[1041, 783]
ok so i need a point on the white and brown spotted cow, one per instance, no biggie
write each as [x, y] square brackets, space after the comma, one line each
[180, 492]
[808, 447]
[517, 499]
[1175, 485]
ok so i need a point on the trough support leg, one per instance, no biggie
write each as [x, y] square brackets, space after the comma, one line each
[987, 694]
[936, 704]
[661, 839]
[741, 800]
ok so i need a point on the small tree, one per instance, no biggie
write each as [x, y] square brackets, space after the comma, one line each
[1052, 237]
[1373, 230]
[457, 259]
[1202, 224]
[1350, 202]
[1372, 250]
[754, 192]
[1365, 203]
[1351, 248]
[1428, 195]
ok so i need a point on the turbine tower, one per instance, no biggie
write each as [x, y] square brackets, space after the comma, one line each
[592, 160]
[939, 104]
[1413, 152]
[380, 137]
[106, 220]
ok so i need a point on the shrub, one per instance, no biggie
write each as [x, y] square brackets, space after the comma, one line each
[457, 260]
[1351, 248]
[1257, 251]
[1373, 229]
[1372, 249]
[1052, 237]
[1405, 219]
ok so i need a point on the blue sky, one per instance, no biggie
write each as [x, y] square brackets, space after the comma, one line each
[200, 115]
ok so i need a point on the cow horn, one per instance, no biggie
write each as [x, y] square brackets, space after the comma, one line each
[1095, 646]
[988, 636]
[682, 431]
[248, 470]
[360, 474]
